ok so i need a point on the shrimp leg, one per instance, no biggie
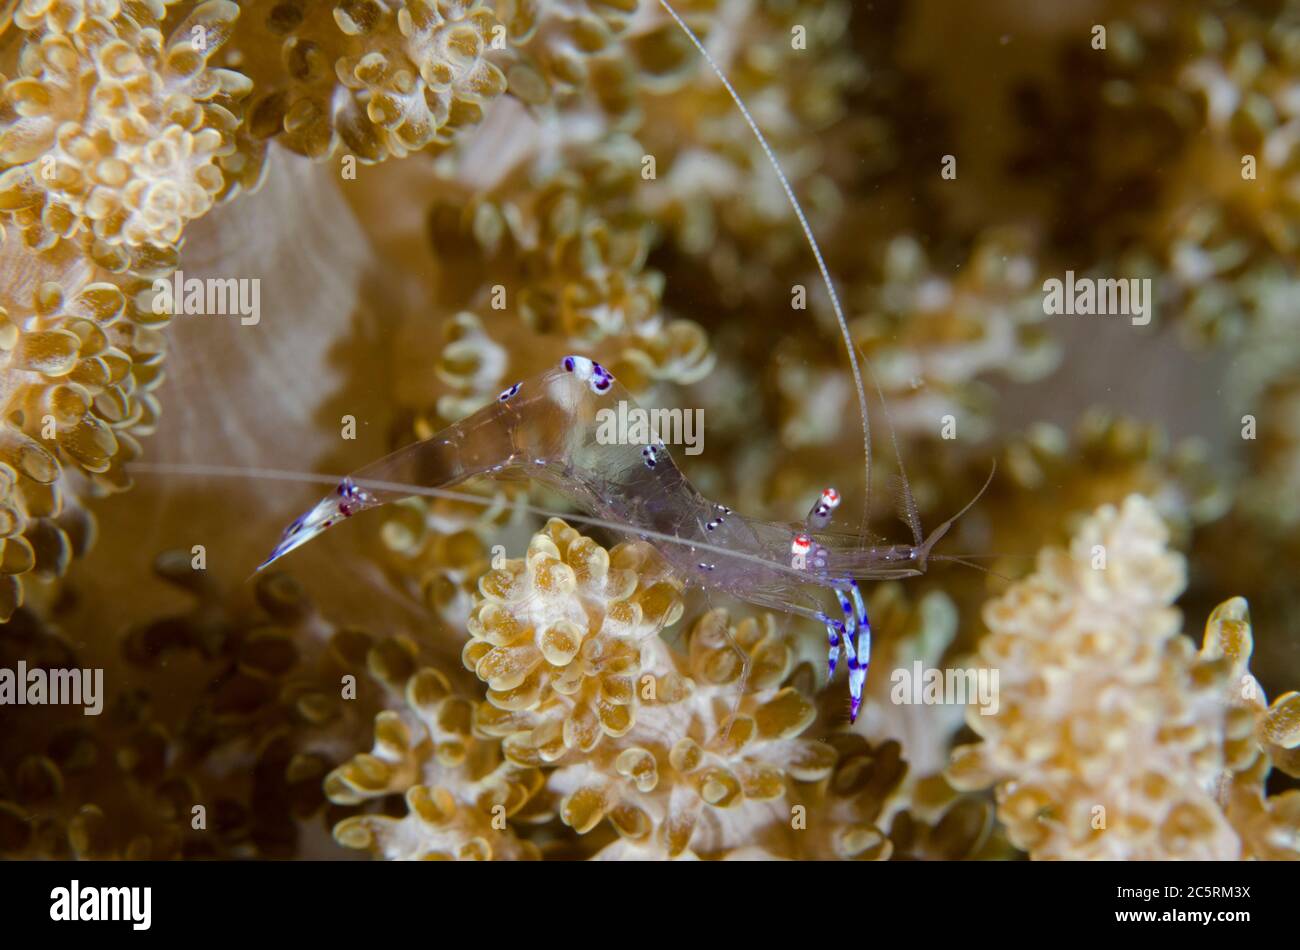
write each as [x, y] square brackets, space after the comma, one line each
[855, 631]
[835, 637]
[860, 657]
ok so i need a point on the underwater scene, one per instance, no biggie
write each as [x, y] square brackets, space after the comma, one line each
[650, 430]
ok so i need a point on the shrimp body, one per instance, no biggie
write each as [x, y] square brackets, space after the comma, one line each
[548, 429]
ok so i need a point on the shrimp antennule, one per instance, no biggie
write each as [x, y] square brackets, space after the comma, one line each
[923, 551]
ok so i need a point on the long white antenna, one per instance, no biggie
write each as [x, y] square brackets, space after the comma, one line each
[812, 243]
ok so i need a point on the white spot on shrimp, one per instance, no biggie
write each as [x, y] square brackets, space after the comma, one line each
[591, 372]
[580, 366]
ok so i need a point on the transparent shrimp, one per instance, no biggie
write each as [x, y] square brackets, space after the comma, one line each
[545, 428]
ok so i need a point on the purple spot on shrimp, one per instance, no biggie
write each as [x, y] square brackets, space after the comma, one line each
[506, 394]
[568, 363]
[601, 384]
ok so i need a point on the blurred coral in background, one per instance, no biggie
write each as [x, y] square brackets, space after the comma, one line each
[440, 197]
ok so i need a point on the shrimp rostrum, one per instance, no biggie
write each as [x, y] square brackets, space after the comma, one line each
[547, 429]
